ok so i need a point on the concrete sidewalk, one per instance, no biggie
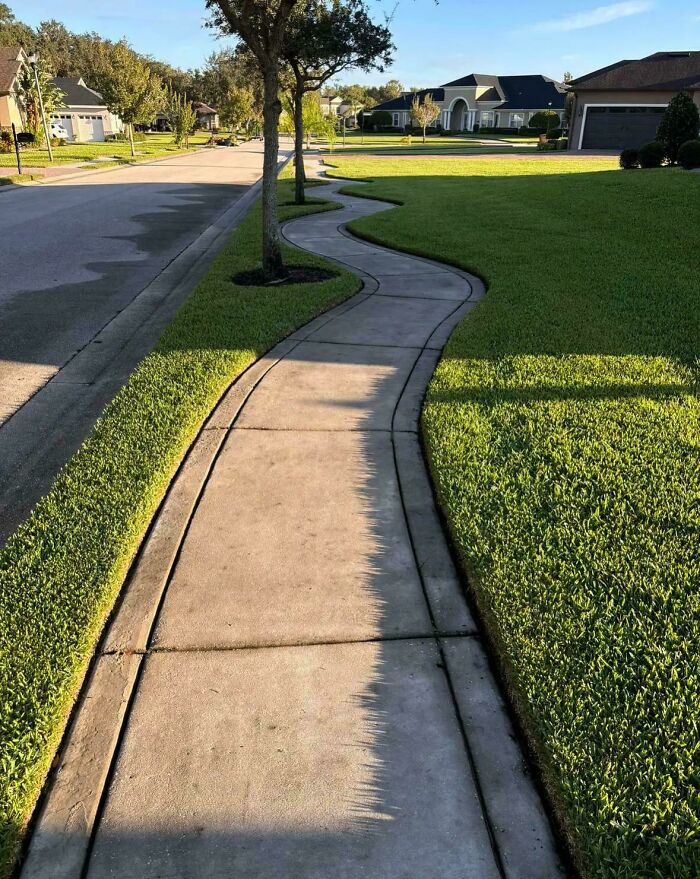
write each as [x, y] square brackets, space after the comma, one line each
[293, 685]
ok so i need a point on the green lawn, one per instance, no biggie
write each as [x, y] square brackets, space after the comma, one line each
[62, 570]
[155, 145]
[563, 433]
[395, 144]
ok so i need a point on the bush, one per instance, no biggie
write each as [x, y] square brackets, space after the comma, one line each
[629, 159]
[6, 143]
[680, 123]
[379, 119]
[543, 146]
[562, 143]
[476, 128]
[689, 154]
[652, 155]
[543, 121]
[525, 129]
[553, 134]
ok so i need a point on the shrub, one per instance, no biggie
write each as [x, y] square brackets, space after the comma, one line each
[652, 155]
[629, 159]
[379, 119]
[544, 120]
[6, 142]
[680, 123]
[554, 134]
[525, 129]
[543, 146]
[562, 143]
[476, 128]
[689, 154]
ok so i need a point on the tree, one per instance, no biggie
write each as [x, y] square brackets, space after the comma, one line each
[323, 40]
[355, 96]
[51, 95]
[130, 90]
[238, 108]
[13, 32]
[680, 123]
[544, 121]
[181, 116]
[261, 24]
[380, 119]
[424, 111]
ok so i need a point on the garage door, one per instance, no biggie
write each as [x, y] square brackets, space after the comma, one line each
[65, 121]
[616, 128]
[92, 128]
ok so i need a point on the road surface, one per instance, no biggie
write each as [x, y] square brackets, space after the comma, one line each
[74, 257]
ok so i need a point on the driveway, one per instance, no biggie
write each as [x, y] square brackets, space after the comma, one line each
[92, 269]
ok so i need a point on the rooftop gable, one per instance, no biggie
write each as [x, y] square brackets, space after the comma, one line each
[12, 59]
[76, 93]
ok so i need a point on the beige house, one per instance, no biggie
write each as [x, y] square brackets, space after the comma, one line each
[621, 105]
[12, 60]
[484, 100]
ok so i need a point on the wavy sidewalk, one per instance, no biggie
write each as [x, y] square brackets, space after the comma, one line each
[292, 685]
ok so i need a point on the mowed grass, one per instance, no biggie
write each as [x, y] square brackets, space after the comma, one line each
[563, 434]
[62, 570]
[154, 146]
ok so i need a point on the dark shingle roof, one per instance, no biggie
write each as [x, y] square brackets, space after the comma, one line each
[491, 94]
[76, 93]
[406, 100]
[9, 67]
[662, 71]
[533, 92]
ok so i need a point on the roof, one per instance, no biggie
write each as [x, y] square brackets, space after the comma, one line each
[205, 109]
[662, 71]
[405, 102]
[11, 60]
[532, 92]
[76, 93]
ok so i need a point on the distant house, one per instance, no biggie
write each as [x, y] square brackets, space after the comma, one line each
[334, 105]
[84, 114]
[12, 60]
[484, 100]
[207, 117]
[621, 105]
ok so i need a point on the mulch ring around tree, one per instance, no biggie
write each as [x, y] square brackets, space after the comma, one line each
[292, 275]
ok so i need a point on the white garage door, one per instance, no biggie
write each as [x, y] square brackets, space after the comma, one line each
[92, 128]
[66, 122]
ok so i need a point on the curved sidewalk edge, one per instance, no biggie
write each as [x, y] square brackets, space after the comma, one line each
[395, 329]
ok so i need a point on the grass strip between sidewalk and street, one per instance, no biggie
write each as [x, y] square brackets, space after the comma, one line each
[62, 570]
[562, 431]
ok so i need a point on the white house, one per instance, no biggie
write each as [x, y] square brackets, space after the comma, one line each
[84, 114]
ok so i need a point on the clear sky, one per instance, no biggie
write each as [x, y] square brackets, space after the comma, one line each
[435, 43]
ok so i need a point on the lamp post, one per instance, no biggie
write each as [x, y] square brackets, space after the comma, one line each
[33, 62]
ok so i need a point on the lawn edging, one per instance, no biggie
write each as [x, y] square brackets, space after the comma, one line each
[64, 567]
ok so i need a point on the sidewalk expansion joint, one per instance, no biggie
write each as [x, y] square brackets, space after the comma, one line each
[292, 645]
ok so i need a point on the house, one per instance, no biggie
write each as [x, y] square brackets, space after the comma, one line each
[207, 117]
[484, 100]
[12, 60]
[621, 105]
[84, 114]
[334, 105]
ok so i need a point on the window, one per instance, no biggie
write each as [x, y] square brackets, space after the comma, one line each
[517, 120]
[487, 118]
[395, 120]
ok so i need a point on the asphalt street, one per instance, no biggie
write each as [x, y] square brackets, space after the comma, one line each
[77, 260]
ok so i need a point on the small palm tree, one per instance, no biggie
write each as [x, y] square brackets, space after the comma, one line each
[29, 97]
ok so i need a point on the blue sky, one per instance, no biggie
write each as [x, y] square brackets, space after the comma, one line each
[434, 43]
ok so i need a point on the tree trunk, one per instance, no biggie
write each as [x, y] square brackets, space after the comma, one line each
[299, 173]
[272, 265]
[131, 139]
[424, 127]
